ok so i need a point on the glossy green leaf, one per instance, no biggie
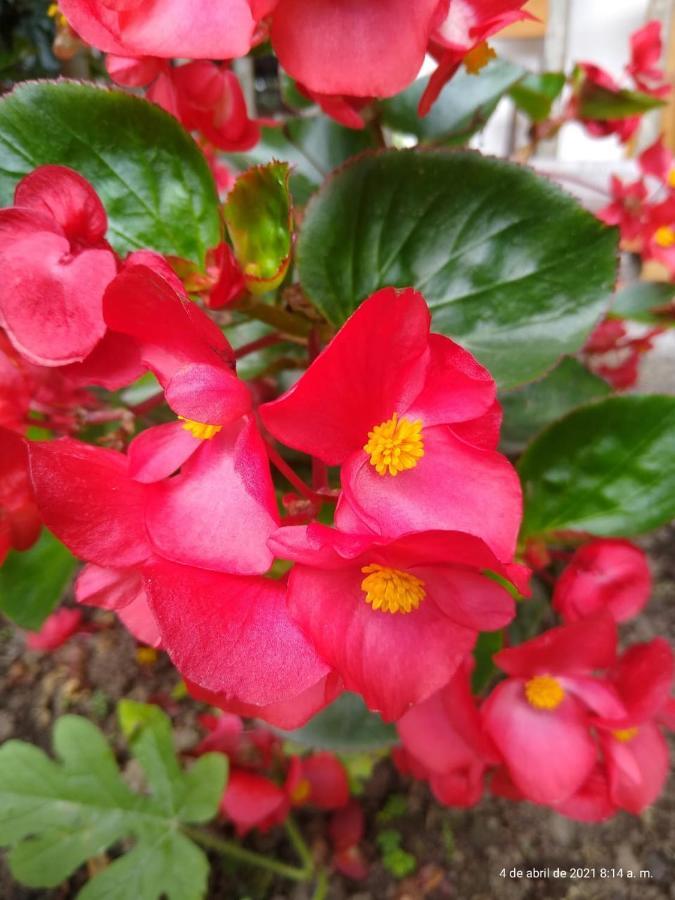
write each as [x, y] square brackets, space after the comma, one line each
[513, 268]
[535, 94]
[605, 469]
[33, 582]
[648, 302]
[55, 815]
[596, 102]
[345, 726]
[312, 146]
[258, 219]
[151, 176]
[529, 409]
[462, 108]
[488, 643]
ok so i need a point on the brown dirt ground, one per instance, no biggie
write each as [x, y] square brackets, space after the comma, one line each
[459, 853]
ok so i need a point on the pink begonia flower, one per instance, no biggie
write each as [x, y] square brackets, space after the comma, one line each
[366, 603]
[445, 743]
[123, 592]
[623, 128]
[657, 160]
[252, 801]
[346, 829]
[20, 520]
[412, 419]
[540, 717]
[644, 66]
[56, 629]
[196, 29]
[56, 265]
[247, 747]
[635, 751]
[626, 208]
[461, 36]
[204, 96]
[604, 576]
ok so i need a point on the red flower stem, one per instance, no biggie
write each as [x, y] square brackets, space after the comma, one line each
[248, 857]
[267, 341]
[319, 475]
[291, 477]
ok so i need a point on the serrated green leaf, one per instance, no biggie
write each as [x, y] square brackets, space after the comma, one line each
[462, 108]
[152, 178]
[345, 726]
[606, 469]
[33, 581]
[529, 409]
[512, 267]
[55, 815]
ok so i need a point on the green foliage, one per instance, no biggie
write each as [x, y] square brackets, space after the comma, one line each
[535, 94]
[596, 102]
[529, 409]
[395, 859]
[258, 219]
[513, 268]
[345, 726]
[312, 146]
[396, 806]
[605, 469]
[462, 108]
[647, 302]
[151, 176]
[488, 643]
[32, 582]
[55, 815]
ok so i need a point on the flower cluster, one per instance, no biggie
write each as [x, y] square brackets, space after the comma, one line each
[574, 725]
[337, 72]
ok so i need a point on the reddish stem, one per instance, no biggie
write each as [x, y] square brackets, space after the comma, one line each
[294, 479]
[148, 405]
[267, 341]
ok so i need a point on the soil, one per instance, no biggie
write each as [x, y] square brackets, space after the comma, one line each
[458, 853]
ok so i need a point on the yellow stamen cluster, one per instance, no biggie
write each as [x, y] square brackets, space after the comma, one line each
[544, 692]
[200, 430]
[664, 236]
[301, 791]
[625, 734]
[671, 178]
[478, 58]
[54, 12]
[395, 445]
[391, 590]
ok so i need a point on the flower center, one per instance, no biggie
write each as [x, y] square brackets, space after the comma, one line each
[395, 445]
[671, 178]
[544, 692]
[391, 590]
[625, 734]
[478, 58]
[200, 430]
[664, 236]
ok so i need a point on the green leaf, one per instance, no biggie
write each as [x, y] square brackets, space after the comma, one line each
[535, 94]
[312, 146]
[258, 219]
[513, 268]
[32, 582]
[55, 815]
[152, 178]
[596, 102]
[529, 409]
[648, 302]
[605, 469]
[462, 108]
[488, 643]
[345, 726]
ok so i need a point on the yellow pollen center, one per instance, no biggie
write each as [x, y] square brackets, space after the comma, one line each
[671, 178]
[200, 430]
[625, 734]
[55, 13]
[478, 58]
[544, 692]
[301, 791]
[395, 445]
[391, 590]
[664, 236]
